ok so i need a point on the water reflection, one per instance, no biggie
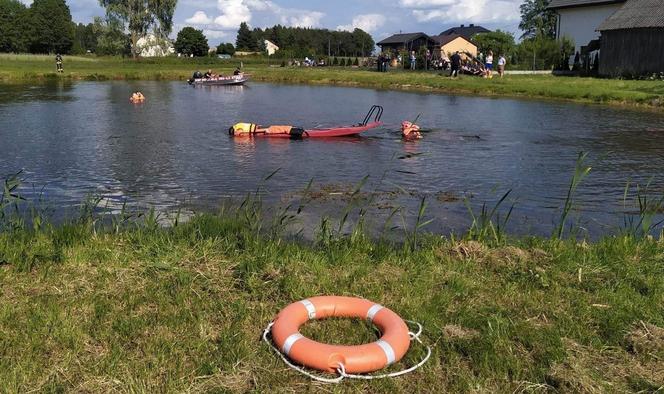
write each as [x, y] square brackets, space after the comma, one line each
[87, 138]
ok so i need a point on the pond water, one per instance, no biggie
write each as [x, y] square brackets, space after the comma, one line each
[76, 139]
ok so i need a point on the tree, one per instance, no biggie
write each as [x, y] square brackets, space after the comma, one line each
[52, 27]
[163, 11]
[14, 26]
[85, 39]
[142, 15]
[245, 39]
[300, 42]
[135, 13]
[541, 53]
[500, 42]
[226, 49]
[111, 40]
[191, 42]
[537, 20]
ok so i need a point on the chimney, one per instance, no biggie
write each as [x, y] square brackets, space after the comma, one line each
[462, 25]
[472, 25]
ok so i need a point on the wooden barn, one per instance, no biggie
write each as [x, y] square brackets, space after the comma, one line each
[406, 42]
[632, 41]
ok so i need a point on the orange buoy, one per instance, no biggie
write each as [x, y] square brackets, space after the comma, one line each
[390, 348]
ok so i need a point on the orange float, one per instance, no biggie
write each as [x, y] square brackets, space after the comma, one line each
[390, 348]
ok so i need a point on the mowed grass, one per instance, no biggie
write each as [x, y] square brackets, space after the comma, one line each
[30, 68]
[182, 309]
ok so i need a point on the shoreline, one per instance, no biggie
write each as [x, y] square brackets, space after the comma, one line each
[88, 308]
[647, 95]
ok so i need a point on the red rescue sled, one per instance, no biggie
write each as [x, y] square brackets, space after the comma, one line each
[371, 121]
[347, 131]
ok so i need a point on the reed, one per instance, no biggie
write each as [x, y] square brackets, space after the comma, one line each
[645, 222]
[487, 225]
[581, 170]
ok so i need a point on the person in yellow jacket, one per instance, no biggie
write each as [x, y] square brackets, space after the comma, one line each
[251, 128]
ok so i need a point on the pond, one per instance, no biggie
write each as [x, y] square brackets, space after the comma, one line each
[73, 140]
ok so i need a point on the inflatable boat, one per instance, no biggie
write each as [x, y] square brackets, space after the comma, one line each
[233, 80]
[371, 121]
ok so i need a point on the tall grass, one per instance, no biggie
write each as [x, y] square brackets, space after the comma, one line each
[9, 202]
[581, 170]
[644, 222]
[487, 225]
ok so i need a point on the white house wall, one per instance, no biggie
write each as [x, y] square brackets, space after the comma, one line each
[580, 24]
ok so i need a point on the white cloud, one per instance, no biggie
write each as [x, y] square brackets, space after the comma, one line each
[366, 22]
[233, 13]
[476, 11]
[301, 18]
[217, 34]
[427, 3]
[199, 18]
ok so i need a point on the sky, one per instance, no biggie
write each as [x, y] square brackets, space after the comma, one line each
[220, 19]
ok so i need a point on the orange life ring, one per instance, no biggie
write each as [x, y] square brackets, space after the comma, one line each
[390, 348]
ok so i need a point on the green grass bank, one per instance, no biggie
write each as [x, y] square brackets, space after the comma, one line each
[144, 309]
[649, 94]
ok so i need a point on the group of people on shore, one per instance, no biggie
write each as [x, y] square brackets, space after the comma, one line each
[457, 63]
[488, 65]
[476, 66]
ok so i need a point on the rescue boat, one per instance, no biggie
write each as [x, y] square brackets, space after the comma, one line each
[233, 80]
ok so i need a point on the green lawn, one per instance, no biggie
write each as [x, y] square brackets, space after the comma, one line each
[149, 309]
[27, 68]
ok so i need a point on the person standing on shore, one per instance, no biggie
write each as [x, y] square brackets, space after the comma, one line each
[456, 64]
[501, 65]
[58, 63]
[413, 60]
[489, 64]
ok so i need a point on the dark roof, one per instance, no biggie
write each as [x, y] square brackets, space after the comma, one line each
[555, 4]
[465, 31]
[444, 40]
[402, 38]
[636, 14]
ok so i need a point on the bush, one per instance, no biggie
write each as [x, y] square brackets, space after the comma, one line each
[335, 62]
[226, 49]
[356, 62]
